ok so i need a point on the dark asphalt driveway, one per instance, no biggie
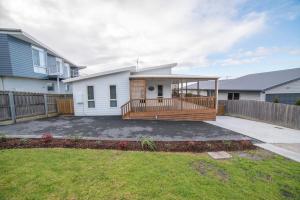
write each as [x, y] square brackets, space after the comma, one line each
[112, 127]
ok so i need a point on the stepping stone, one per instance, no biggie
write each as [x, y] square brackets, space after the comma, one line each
[219, 155]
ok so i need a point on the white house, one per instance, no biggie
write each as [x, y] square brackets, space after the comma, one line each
[147, 93]
[282, 86]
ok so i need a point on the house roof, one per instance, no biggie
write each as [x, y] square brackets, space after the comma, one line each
[174, 76]
[253, 82]
[114, 71]
[18, 33]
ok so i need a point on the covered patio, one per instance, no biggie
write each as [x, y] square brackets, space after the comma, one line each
[163, 97]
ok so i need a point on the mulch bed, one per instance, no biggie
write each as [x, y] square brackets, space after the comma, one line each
[170, 146]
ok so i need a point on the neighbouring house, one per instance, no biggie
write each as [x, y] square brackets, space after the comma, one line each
[281, 86]
[145, 93]
[27, 65]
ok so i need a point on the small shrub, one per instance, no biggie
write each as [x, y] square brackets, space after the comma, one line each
[191, 145]
[24, 140]
[75, 138]
[98, 142]
[147, 143]
[276, 100]
[47, 137]
[297, 102]
[123, 145]
[3, 138]
[227, 142]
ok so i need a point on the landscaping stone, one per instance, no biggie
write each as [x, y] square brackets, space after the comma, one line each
[219, 155]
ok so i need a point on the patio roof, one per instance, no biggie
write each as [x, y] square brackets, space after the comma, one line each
[175, 77]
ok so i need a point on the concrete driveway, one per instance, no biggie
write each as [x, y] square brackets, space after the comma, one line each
[111, 127]
[278, 139]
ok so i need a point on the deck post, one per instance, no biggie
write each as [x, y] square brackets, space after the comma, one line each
[186, 89]
[198, 89]
[181, 95]
[12, 107]
[216, 95]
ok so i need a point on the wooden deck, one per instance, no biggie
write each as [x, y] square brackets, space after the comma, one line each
[175, 109]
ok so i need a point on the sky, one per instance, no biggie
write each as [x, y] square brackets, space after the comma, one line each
[205, 37]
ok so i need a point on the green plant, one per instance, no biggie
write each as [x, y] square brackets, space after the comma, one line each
[24, 140]
[147, 143]
[75, 138]
[297, 102]
[227, 142]
[276, 100]
[3, 138]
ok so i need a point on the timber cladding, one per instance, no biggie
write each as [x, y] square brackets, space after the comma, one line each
[274, 113]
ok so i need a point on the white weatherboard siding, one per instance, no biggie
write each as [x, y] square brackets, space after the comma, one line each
[243, 95]
[167, 91]
[30, 85]
[292, 87]
[101, 94]
[163, 71]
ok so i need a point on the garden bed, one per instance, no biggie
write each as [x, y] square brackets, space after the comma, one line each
[146, 144]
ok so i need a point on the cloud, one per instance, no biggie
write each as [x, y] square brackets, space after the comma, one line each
[254, 56]
[102, 34]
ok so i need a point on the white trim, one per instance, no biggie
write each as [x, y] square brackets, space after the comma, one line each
[108, 72]
[116, 99]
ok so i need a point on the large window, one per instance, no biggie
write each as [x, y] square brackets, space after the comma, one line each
[113, 95]
[91, 98]
[39, 60]
[233, 96]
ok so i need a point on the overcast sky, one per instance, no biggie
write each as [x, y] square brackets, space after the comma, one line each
[225, 38]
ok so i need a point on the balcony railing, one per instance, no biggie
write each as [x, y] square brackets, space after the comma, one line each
[168, 104]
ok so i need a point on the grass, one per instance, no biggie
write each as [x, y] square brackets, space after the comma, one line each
[107, 174]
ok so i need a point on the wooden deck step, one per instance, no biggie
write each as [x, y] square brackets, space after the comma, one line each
[185, 115]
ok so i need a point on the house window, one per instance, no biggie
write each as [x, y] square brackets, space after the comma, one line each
[233, 96]
[66, 70]
[59, 66]
[50, 86]
[91, 99]
[160, 91]
[39, 60]
[113, 95]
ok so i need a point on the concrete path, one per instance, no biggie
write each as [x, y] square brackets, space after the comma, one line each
[278, 139]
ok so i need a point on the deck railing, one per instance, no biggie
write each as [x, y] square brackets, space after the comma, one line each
[168, 104]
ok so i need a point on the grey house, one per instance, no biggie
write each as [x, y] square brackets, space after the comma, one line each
[28, 65]
[282, 86]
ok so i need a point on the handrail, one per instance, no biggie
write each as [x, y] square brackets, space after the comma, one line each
[168, 104]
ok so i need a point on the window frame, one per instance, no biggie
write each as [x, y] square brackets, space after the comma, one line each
[41, 67]
[93, 99]
[233, 95]
[52, 86]
[113, 100]
[162, 91]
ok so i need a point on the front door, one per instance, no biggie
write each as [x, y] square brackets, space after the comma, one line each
[137, 89]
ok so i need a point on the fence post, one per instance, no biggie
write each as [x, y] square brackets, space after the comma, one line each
[46, 104]
[12, 106]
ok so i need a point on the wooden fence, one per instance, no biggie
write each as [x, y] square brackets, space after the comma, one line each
[274, 113]
[17, 105]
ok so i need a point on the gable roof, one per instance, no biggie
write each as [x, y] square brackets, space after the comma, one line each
[18, 33]
[254, 82]
[114, 71]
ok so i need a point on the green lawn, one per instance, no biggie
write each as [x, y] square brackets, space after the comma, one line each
[105, 174]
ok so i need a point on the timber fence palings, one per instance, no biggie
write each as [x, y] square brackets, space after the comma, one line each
[274, 113]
